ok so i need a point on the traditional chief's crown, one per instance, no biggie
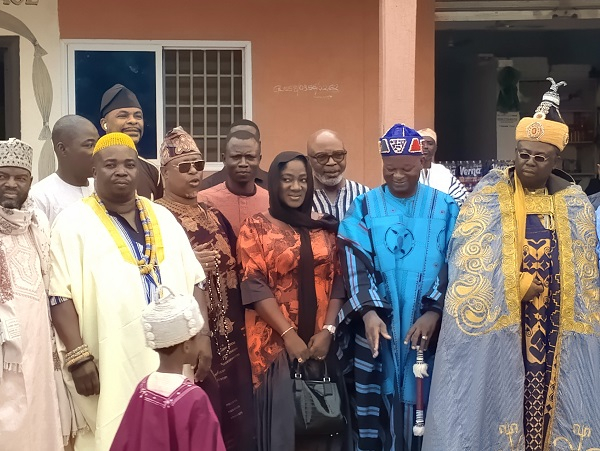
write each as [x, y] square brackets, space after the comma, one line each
[539, 128]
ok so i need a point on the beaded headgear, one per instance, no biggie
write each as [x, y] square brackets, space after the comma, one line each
[171, 320]
[400, 140]
[16, 153]
[114, 139]
[538, 128]
[177, 143]
[428, 132]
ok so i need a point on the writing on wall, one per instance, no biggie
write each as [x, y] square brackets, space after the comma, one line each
[318, 90]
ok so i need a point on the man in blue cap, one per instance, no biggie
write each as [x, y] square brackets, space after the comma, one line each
[393, 244]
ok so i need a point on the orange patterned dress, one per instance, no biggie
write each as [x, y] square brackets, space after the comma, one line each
[269, 255]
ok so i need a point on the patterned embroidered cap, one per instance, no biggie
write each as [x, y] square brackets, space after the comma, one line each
[538, 128]
[171, 320]
[114, 139]
[400, 140]
[176, 144]
[16, 153]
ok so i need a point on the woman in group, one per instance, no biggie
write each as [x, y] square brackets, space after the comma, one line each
[229, 383]
[293, 289]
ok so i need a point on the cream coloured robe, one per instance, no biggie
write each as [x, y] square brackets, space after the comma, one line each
[88, 267]
[29, 415]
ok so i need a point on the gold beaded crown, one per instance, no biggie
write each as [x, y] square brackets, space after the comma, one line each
[538, 128]
[114, 139]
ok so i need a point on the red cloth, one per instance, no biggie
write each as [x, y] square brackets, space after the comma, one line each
[235, 208]
[184, 421]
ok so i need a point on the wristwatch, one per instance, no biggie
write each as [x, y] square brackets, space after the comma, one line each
[329, 328]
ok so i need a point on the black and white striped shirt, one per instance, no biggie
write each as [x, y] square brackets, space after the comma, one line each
[440, 178]
[346, 196]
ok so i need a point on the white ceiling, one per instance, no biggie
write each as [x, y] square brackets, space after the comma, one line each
[518, 15]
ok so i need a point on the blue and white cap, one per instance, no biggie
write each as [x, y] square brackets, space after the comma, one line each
[400, 140]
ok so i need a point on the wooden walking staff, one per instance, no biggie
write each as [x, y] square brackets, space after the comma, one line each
[420, 371]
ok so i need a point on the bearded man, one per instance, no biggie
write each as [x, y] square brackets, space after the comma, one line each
[327, 157]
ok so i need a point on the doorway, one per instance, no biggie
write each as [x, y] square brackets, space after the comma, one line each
[10, 88]
[470, 57]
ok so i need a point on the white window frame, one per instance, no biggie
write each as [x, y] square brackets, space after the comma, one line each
[70, 46]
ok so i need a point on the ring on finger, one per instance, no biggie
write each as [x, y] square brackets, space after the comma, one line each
[300, 360]
[424, 337]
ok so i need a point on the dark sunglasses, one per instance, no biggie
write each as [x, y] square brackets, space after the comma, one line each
[185, 166]
[323, 158]
[537, 158]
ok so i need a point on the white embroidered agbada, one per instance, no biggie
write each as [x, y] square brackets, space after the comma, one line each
[109, 296]
[29, 417]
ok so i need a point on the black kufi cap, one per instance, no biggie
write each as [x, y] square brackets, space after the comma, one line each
[118, 97]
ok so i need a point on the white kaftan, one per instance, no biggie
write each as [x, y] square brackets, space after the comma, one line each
[88, 267]
[29, 419]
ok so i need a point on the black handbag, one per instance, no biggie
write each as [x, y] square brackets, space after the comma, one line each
[318, 404]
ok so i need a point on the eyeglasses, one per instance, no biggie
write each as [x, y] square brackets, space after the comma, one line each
[537, 158]
[323, 158]
[185, 166]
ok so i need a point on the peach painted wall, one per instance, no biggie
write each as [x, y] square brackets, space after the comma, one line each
[407, 58]
[294, 43]
[425, 64]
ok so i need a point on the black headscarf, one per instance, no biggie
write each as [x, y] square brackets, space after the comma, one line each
[300, 220]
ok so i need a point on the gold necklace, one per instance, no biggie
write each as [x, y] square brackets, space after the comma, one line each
[148, 262]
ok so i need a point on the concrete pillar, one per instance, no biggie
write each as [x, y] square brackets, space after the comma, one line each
[407, 63]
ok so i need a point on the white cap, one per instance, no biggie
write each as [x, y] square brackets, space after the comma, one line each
[171, 320]
[15, 152]
[428, 132]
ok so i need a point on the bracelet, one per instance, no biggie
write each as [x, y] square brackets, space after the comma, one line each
[77, 359]
[78, 351]
[286, 331]
[77, 364]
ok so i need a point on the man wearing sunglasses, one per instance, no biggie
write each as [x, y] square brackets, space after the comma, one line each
[238, 197]
[520, 338]
[213, 242]
[327, 157]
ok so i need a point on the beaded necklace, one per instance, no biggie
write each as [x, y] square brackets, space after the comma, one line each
[217, 308]
[148, 262]
[196, 216]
